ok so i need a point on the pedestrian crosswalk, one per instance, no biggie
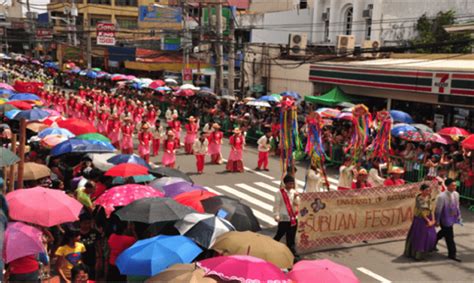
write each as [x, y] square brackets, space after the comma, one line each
[259, 196]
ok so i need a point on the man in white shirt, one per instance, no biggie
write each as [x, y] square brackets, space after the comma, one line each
[374, 174]
[264, 147]
[170, 112]
[346, 175]
[200, 147]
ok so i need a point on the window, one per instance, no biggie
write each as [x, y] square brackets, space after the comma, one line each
[101, 2]
[348, 16]
[132, 3]
[127, 22]
[326, 31]
[303, 4]
[368, 29]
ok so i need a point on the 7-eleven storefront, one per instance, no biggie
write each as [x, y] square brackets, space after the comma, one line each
[437, 91]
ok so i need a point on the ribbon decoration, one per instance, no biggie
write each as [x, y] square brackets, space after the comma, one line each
[288, 134]
[380, 146]
[316, 151]
[360, 135]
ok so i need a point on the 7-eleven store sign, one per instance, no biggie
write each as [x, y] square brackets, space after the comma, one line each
[441, 83]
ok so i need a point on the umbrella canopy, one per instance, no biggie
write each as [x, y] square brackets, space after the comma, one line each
[77, 126]
[34, 171]
[7, 107]
[468, 143]
[7, 157]
[128, 158]
[328, 112]
[136, 179]
[423, 128]
[118, 77]
[6, 92]
[163, 88]
[151, 256]
[6, 86]
[12, 113]
[268, 98]
[51, 141]
[100, 160]
[344, 116]
[257, 103]
[171, 81]
[401, 128]
[24, 96]
[331, 98]
[161, 182]
[36, 126]
[170, 172]
[156, 84]
[82, 146]
[175, 189]
[291, 94]
[189, 86]
[182, 273]
[21, 240]
[56, 131]
[127, 170]
[31, 115]
[323, 270]
[400, 116]
[19, 104]
[243, 268]
[453, 132]
[124, 195]
[437, 138]
[237, 213]
[152, 210]
[42, 206]
[185, 92]
[94, 137]
[413, 136]
[203, 228]
[193, 199]
[257, 245]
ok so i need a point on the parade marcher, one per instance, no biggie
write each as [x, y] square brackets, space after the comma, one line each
[200, 148]
[145, 138]
[361, 180]
[421, 238]
[374, 174]
[191, 133]
[395, 177]
[113, 130]
[151, 114]
[127, 136]
[169, 148]
[346, 175]
[314, 179]
[102, 122]
[447, 214]
[175, 126]
[158, 135]
[215, 143]
[235, 162]
[285, 212]
[264, 146]
[170, 112]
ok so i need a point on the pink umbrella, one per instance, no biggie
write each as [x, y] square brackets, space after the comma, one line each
[6, 86]
[156, 84]
[124, 195]
[51, 141]
[42, 206]
[437, 138]
[130, 77]
[243, 268]
[323, 270]
[21, 240]
[345, 116]
[185, 92]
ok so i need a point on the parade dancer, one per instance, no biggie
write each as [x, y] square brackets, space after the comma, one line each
[102, 120]
[235, 162]
[169, 147]
[191, 132]
[113, 130]
[215, 143]
[264, 147]
[175, 126]
[145, 137]
[200, 148]
[127, 137]
[151, 115]
[157, 136]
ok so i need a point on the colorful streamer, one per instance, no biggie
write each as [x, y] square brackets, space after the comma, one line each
[360, 136]
[289, 137]
[381, 144]
[317, 153]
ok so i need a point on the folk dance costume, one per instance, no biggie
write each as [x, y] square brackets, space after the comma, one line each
[151, 115]
[200, 148]
[113, 129]
[169, 148]
[145, 138]
[191, 132]
[102, 121]
[235, 162]
[158, 135]
[175, 126]
[215, 143]
[127, 137]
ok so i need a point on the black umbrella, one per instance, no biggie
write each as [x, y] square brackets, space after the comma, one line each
[152, 210]
[237, 213]
[170, 172]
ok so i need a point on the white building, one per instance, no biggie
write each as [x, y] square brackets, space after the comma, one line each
[391, 22]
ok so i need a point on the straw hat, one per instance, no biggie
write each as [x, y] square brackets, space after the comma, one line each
[396, 170]
[362, 172]
[145, 126]
[216, 126]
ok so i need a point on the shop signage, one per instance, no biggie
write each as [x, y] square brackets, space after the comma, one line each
[188, 75]
[106, 34]
[441, 83]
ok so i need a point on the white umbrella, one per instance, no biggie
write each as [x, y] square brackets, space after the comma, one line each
[258, 103]
[189, 86]
[100, 160]
[228, 97]
[171, 81]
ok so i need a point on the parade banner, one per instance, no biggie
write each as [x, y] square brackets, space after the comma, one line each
[333, 218]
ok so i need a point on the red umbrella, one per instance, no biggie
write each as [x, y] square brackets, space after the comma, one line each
[468, 143]
[193, 199]
[185, 92]
[77, 126]
[157, 83]
[453, 131]
[436, 138]
[53, 119]
[20, 104]
[127, 170]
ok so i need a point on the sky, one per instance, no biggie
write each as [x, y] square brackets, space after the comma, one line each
[36, 5]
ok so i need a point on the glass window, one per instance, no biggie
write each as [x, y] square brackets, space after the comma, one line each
[132, 3]
[368, 29]
[101, 2]
[348, 15]
[127, 22]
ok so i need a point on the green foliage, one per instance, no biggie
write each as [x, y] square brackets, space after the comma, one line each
[431, 31]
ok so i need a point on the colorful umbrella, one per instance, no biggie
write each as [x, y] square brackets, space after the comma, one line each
[42, 206]
[128, 158]
[36, 126]
[100, 160]
[136, 179]
[400, 116]
[170, 172]
[203, 229]
[257, 245]
[21, 240]
[291, 94]
[423, 128]
[127, 170]
[193, 199]
[124, 195]
[153, 210]
[437, 138]
[52, 112]
[7, 107]
[82, 146]
[34, 171]
[413, 136]
[189, 86]
[12, 113]
[163, 88]
[175, 189]
[182, 273]
[328, 112]
[118, 77]
[156, 84]
[91, 74]
[31, 115]
[53, 120]
[243, 268]
[257, 103]
[321, 271]
[7, 157]
[453, 132]
[93, 137]
[22, 105]
[185, 92]
[171, 81]
[56, 131]
[6, 93]
[6, 86]
[161, 182]
[51, 141]
[401, 128]
[24, 96]
[268, 98]
[151, 256]
[77, 126]
[468, 143]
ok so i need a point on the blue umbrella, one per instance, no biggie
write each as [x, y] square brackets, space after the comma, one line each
[56, 131]
[268, 98]
[91, 74]
[101, 75]
[32, 115]
[82, 146]
[151, 256]
[163, 88]
[75, 70]
[399, 129]
[400, 116]
[24, 96]
[136, 179]
[12, 113]
[128, 158]
[291, 94]
[7, 91]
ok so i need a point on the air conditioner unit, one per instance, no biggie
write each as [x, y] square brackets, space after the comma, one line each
[367, 14]
[370, 48]
[345, 45]
[325, 17]
[297, 44]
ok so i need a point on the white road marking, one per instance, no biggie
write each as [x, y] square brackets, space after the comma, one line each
[246, 197]
[373, 275]
[267, 186]
[256, 191]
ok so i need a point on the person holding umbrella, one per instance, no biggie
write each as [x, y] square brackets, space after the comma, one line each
[191, 132]
[169, 147]
[215, 142]
[200, 148]
[145, 137]
[235, 162]
[127, 136]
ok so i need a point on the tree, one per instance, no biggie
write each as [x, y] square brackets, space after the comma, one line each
[431, 31]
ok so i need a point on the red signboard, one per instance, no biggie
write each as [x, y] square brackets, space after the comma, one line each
[187, 75]
[105, 34]
[44, 33]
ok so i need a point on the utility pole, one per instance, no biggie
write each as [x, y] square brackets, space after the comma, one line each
[88, 32]
[219, 49]
[186, 35]
[231, 59]
[74, 15]
[242, 73]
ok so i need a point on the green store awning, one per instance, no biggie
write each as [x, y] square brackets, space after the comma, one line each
[331, 98]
